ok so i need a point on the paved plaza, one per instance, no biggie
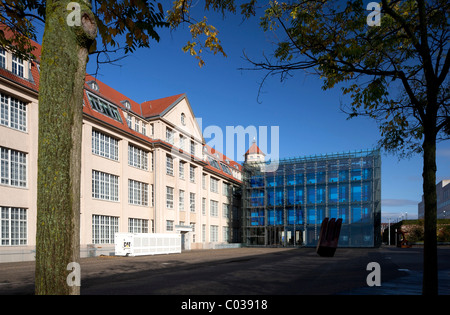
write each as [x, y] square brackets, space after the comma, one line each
[246, 271]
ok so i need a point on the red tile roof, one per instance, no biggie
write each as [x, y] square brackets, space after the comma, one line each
[31, 83]
[157, 107]
[254, 149]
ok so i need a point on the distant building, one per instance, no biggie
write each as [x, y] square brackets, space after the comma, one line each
[285, 207]
[443, 201]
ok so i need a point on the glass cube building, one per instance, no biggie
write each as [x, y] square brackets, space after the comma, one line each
[286, 206]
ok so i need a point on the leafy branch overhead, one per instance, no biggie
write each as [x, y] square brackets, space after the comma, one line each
[122, 25]
[181, 13]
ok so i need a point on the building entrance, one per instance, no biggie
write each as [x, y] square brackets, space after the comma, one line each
[284, 236]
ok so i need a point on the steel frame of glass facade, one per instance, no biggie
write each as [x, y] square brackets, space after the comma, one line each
[286, 207]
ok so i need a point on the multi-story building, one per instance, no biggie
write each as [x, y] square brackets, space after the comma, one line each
[145, 168]
[285, 205]
[443, 201]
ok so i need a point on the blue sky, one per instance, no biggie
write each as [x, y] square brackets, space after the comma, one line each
[308, 118]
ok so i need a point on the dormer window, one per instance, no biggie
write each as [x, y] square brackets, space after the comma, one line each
[183, 119]
[104, 107]
[127, 104]
[17, 66]
[2, 58]
[93, 85]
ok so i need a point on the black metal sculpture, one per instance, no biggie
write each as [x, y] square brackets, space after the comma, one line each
[329, 237]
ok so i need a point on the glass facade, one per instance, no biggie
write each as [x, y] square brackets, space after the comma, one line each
[286, 207]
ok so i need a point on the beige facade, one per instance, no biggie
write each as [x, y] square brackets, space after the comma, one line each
[145, 169]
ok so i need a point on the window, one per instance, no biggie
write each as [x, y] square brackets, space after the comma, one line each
[13, 169]
[181, 200]
[169, 165]
[93, 85]
[104, 228]
[129, 121]
[225, 210]
[13, 113]
[13, 226]
[2, 58]
[214, 236]
[169, 225]
[204, 181]
[105, 146]
[225, 234]
[137, 225]
[144, 128]
[226, 169]
[104, 107]
[17, 66]
[192, 173]
[137, 193]
[169, 197]
[183, 119]
[204, 206]
[105, 186]
[192, 201]
[192, 224]
[213, 162]
[182, 142]
[181, 170]
[169, 135]
[192, 147]
[214, 185]
[126, 103]
[214, 208]
[203, 232]
[137, 157]
[136, 124]
[226, 189]
[152, 195]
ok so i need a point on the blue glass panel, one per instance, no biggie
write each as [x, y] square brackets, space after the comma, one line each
[343, 176]
[270, 198]
[343, 214]
[356, 214]
[366, 192]
[320, 177]
[333, 212]
[320, 196]
[299, 179]
[367, 173]
[343, 193]
[356, 193]
[311, 196]
[279, 197]
[311, 216]
[332, 194]
[320, 215]
[311, 178]
[299, 196]
[279, 217]
[290, 179]
[290, 196]
[356, 174]
[270, 217]
[332, 176]
[290, 215]
[299, 216]
[280, 180]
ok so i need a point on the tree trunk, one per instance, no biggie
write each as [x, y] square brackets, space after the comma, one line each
[430, 273]
[63, 68]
